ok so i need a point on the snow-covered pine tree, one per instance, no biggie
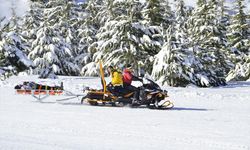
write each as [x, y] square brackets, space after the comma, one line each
[181, 16]
[241, 71]
[1, 33]
[200, 3]
[69, 23]
[157, 17]
[224, 17]
[13, 47]
[86, 33]
[175, 64]
[238, 38]
[223, 12]
[217, 39]
[238, 30]
[238, 33]
[31, 22]
[99, 12]
[172, 65]
[158, 12]
[125, 39]
[102, 11]
[49, 49]
[114, 37]
[209, 42]
[93, 15]
[2, 58]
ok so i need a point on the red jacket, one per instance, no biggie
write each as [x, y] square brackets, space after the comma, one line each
[127, 77]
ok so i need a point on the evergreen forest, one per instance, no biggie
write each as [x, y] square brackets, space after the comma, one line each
[177, 45]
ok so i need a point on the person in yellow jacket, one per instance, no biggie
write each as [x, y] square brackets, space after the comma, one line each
[116, 84]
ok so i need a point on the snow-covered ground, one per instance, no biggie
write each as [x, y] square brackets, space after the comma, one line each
[202, 119]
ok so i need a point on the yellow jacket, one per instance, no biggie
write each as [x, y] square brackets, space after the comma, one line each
[116, 78]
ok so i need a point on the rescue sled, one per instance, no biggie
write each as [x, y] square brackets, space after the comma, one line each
[38, 91]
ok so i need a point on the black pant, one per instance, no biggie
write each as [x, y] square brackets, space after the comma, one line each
[131, 88]
[115, 90]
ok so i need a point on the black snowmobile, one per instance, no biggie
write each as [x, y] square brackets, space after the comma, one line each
[151, 96]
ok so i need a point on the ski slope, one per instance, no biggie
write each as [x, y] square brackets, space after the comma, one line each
[202, 119]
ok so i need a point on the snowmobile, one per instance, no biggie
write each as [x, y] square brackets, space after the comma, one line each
[151, 96]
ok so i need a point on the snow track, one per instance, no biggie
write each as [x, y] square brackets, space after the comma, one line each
[207, 119]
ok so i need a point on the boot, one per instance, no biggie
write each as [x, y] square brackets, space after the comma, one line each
[135, 102]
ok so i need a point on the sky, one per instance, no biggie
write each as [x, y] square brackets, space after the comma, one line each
[5, 7]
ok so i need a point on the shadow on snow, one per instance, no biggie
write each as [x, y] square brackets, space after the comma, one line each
[175, 108]
[236, 84]
[142, 107]
[190, 109]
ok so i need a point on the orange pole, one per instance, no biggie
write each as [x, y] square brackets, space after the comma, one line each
[102, 77]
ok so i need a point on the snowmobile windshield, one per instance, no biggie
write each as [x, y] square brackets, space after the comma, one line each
[151, 84]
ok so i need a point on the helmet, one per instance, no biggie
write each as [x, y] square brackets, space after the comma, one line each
[129, 68]
[111, 68]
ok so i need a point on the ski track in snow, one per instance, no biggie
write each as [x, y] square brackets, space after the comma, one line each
[203, 118]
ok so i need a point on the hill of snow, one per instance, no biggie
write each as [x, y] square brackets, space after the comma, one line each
[203, 118]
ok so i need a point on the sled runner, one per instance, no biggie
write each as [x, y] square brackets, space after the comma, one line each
[152, 96]
[40, 92]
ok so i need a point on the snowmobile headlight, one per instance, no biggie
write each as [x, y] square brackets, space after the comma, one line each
[159, 95]
[149, 96]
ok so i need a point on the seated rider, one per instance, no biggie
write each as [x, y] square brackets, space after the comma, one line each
[128, 77]
[116, 85]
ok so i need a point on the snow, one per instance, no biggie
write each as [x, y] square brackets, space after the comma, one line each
[23, 58]
[203, 118]
[1, 71]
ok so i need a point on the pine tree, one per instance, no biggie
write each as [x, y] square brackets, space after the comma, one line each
[103, 11]
[31, 22]
[172, 64]
[2, 58]
[69, 23]
[157, 17]
[12, 45]
[175, 64]
[50, 48]
[209, 42]
[95, 8]
[86, 33]
[158, 12]
[95, 14]
[238, 30]
[200, 3]
[125, 40]
[238, 38]
[224, 21]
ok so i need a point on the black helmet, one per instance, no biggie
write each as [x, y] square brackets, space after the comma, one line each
[111, 68]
